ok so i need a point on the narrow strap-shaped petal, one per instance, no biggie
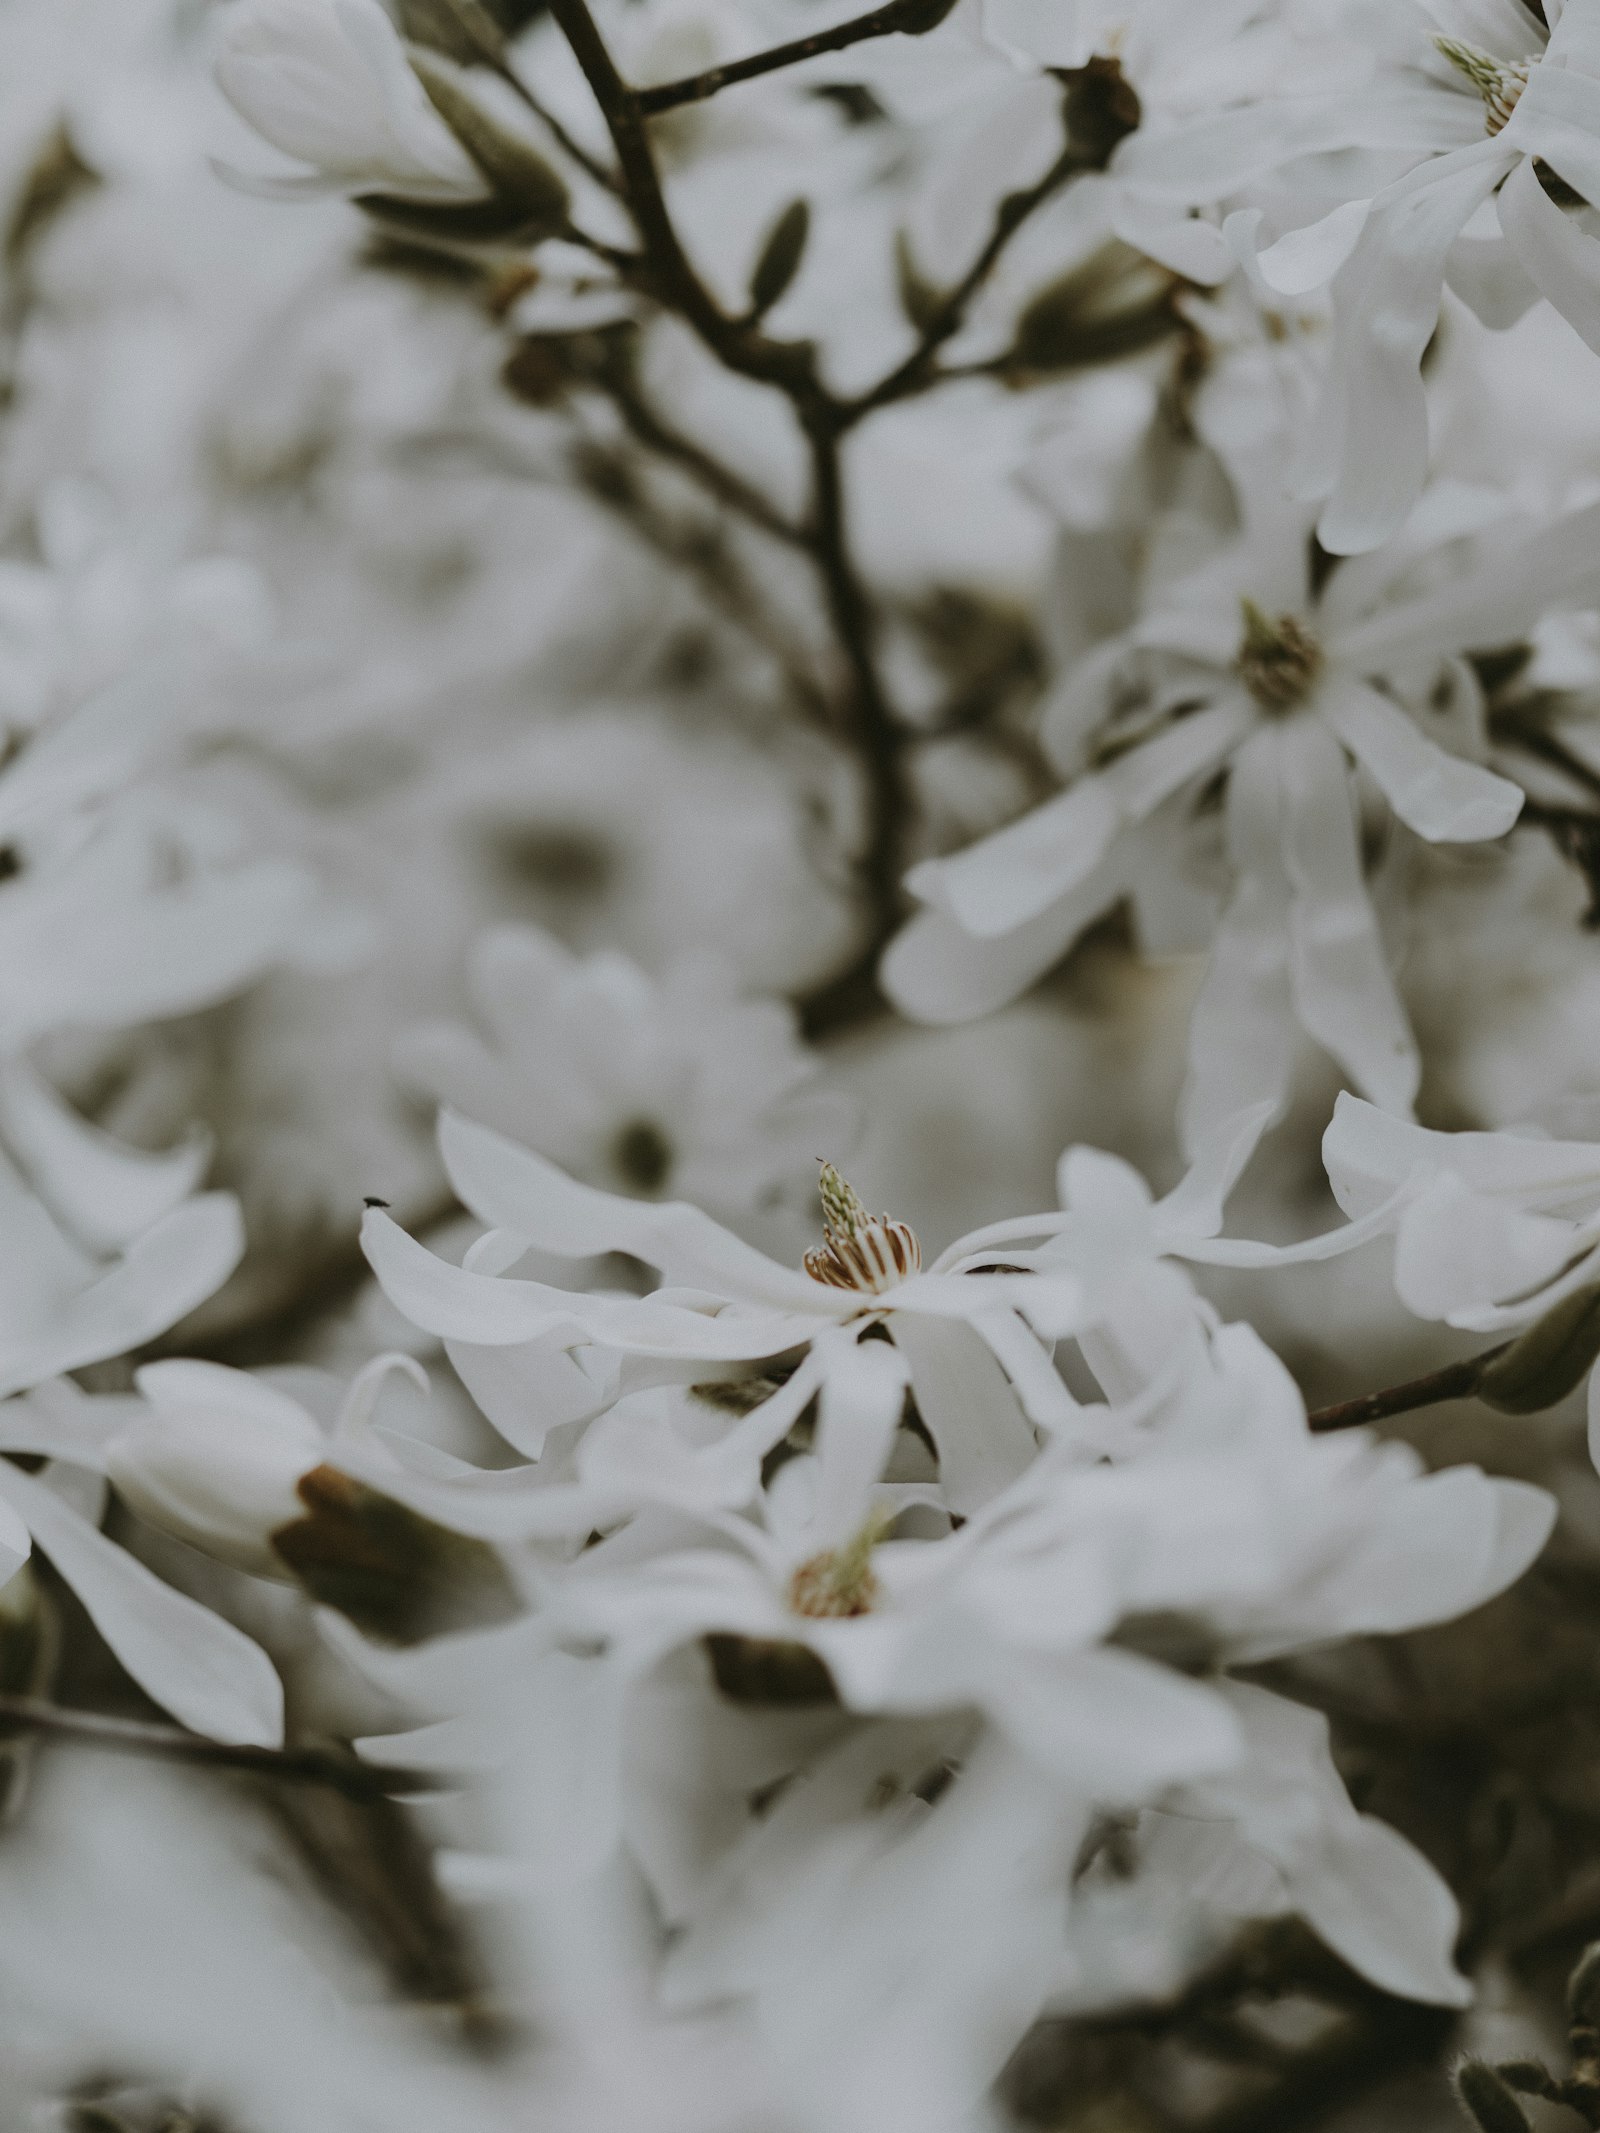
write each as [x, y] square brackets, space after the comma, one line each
[1386, 299]
[104, 1191]
[934, 971]
[1344, 993]
[189, 1660]
[163, 1275]
[510, 1187]
[970, 1409]
[1241, 1031]
[1441, 796]
[1557, 257]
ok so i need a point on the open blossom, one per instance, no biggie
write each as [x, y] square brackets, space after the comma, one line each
[1084, 1620]
[677, 1088]
[328, 83]
[1497, 117]
[974, 1340]
[1253, 665]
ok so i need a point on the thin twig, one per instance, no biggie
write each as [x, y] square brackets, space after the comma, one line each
[291, 1766]
[1456, 1381]
[910, 16]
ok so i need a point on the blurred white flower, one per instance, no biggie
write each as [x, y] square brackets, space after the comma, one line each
[328, 82]
[1496, 118]
[1253, 665]
[682, 1087]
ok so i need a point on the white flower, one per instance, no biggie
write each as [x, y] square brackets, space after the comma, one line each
[972, 1339]
[683, 1087]
[1246, 664]
[1485, 99]
[327, 81]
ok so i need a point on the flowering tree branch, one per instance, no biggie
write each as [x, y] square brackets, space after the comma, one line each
[1455, 1381]
[909, 18]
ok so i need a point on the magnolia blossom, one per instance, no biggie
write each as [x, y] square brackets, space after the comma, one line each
[1081, 1624]
[1253, 665]
[328, 82]
[680, 1088]
[1501, 117]
[973, 1339]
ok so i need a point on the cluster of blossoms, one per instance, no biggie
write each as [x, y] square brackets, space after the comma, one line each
[726, 595]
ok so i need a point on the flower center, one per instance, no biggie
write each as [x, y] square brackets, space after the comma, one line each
[1498, 81]
[866, 1252]
[1278, 658]
[839, 1582]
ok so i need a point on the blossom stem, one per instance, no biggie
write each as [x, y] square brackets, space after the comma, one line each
[909, 16]
[1455, 1381]
[339, 1771]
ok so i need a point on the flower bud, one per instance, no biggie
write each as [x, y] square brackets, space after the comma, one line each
[1542, 1365]
[1486, 2099]
[217, 1461]
[327, 81]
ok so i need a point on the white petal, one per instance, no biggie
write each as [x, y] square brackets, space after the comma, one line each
[191, 1662]
[1386, 299]
[105, 1192]
[1441, 796]
[161, 1277]
[971, 1412]
[1241, 1032]
[935, 972]
[1557, 257]
[1344, 994]
[510, 1187]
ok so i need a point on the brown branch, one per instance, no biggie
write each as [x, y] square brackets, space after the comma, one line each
[342, 1772]
[1456, 1381]
[1100, 110]
[910, 17]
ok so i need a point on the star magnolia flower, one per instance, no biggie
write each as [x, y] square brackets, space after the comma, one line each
[1504, 115]
[983, 1381]
[327, 81]
[677, 1088]
[1086, 1614]
[1246, 664]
